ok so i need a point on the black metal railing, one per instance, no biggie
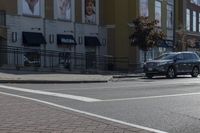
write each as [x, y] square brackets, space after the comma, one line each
[23, 57]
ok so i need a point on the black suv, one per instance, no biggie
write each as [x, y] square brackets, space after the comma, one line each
[173, 64]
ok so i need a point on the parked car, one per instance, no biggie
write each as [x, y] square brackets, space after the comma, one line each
[173, 64]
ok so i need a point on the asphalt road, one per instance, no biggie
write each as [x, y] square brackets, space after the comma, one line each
[170, 105]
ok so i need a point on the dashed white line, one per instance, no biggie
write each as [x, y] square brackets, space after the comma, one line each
[87, 113]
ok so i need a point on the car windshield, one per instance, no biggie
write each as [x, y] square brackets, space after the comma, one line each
[167, 56]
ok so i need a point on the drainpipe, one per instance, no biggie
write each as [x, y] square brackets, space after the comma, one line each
[174, 27]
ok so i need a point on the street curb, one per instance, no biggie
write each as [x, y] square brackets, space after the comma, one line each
[49, 82]
[128, 76]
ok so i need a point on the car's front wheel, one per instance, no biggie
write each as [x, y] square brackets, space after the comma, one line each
[195, 72]
[171, 73]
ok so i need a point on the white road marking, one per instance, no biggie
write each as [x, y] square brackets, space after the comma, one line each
[141, 85]
[86, 113]
[79, 98]
[150, 97]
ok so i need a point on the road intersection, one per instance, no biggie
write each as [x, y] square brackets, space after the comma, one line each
[156, 105]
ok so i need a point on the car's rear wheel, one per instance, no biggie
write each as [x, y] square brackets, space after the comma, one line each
[195, 72]
[150, 76]
[171, 73]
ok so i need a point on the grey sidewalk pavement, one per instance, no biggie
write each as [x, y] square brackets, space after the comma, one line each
[45, 77]
[25, 116]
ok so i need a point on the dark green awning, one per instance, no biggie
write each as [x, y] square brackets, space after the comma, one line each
[33, 39]
[92, 41]
[65, 40]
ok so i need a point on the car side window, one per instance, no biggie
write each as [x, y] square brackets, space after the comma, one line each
[190, 56]
[179, 57]
[187, 56]
[194, 56]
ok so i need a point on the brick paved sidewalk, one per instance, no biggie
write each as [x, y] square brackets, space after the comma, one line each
[23, 116]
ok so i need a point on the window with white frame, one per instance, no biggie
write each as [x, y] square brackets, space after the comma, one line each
[193, 1]
[31, 7]
[194, 16]
[169, 16]
[199, 22]
[170, 1]
[144, 8]
[158, 12]
[91, 11]
[63, 9]
[188, 19]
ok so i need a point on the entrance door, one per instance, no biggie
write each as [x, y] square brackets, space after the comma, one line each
[90, 57]
[3, 52]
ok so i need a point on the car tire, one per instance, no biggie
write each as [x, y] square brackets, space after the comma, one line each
[149, 76]
[195, 72]
[171, 73]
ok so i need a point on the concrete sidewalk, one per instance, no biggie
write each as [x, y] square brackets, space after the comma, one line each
[44, 77]
[38, 77]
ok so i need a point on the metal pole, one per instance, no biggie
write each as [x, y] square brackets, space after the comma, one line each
[44, 50]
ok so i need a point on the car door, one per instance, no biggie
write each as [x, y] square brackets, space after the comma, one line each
[180, 63]
[189, 61]
[194, 61]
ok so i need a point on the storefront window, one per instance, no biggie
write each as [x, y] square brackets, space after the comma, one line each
[65, 60]
[32, 59]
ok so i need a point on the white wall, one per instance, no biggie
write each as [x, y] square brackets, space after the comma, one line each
[58, 27]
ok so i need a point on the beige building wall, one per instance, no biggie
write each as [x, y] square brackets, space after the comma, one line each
[119, 14]
[49, 9]
[10, 6]
[78, 11]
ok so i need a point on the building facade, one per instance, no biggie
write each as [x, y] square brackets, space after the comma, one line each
[118, 16]
[188, 18]
[38, 27]
[91, 29]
